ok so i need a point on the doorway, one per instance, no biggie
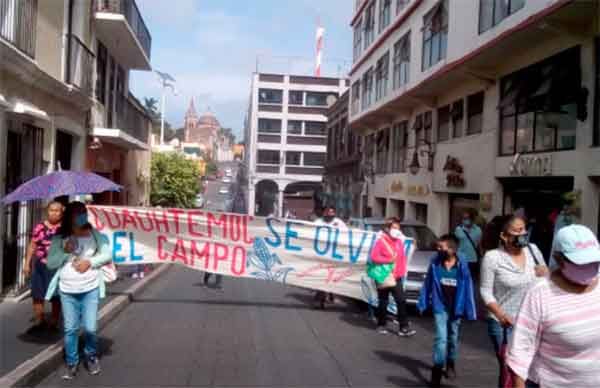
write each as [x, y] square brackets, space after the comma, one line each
[64, 150]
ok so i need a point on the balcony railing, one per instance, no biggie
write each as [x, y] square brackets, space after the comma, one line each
[129, 9]
[80, 66]
[130, 120]
[18, 20]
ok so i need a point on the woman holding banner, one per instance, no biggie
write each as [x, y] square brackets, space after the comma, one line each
[388, 268]
[78, 253]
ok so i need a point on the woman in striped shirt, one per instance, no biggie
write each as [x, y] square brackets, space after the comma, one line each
[556, 341]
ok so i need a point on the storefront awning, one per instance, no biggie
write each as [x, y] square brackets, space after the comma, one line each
[119, 138]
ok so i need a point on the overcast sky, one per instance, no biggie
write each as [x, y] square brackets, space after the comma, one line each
[211, 47]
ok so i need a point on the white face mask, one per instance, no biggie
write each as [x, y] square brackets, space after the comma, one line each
[395, 233]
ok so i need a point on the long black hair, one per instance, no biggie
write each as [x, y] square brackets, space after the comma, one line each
[66, 228]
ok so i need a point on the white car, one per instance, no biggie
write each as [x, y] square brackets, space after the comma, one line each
[224, 190]
[226, 179]
[228, 172]
[199, 201]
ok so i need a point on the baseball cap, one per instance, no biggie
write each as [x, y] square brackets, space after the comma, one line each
[578, 244]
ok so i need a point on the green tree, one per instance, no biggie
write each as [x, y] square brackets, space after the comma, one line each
[151, 105]
[174, 181]
[211, 167]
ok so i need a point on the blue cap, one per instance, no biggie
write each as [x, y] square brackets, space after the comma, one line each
[578, 244]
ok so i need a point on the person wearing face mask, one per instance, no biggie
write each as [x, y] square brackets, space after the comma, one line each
[448, 292]
[506, 275]
[469, 236]
[328, 218]
[556, 341]
[388, 267]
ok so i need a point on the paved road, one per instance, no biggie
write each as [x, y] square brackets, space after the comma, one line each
[229, 202]
[264, 335]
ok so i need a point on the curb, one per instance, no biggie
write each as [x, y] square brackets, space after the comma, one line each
[35, 369]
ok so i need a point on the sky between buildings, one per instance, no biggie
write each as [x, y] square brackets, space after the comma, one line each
[211, 48]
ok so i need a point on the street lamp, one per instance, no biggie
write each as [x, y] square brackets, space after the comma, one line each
[167, 82]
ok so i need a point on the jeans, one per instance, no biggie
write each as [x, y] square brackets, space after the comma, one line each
[445, 342]
[218, 278]
[384, 297]
[80, 310]
[497, 333]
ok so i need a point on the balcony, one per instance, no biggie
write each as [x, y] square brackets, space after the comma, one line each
[18, 21]
[121, 28]
[80, 66]
[130, 127]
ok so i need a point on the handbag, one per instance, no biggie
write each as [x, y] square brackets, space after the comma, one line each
[506, 377]
[383, 274]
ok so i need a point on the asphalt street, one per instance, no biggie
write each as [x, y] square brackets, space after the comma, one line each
[233, 200]
[258, 334]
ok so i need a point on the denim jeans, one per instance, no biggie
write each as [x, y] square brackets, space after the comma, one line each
[383, 296]
[445, 342]
[80, 310]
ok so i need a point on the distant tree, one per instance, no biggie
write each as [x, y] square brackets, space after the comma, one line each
[151, 105]
[174, 180]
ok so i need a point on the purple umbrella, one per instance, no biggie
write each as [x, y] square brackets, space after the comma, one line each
[61, 183]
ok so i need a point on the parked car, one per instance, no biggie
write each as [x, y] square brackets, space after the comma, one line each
[229, 172]
[224, 190]
[418, 263]
[199, 201]
[226, 179]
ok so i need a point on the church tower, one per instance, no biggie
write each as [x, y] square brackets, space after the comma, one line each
[190, 121]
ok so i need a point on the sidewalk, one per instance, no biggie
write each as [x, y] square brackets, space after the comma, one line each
[16, 319]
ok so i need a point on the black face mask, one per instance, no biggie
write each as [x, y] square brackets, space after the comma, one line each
[328, 218]
[443, 255]
[519, 242]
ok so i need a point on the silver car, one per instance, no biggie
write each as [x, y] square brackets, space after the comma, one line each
[421, 258]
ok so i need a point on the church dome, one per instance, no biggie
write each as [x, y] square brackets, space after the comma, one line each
[208, 119]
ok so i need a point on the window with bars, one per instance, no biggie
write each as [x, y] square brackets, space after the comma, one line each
[369, 24]
[475, 113]
[381, 76]
[358, 31]
[456, 114]
[399, 146]
[443, 127]
[492, 12]
[384, 14]
[401, 61]
[382, 144]
[367, 92]
[435, 35]
[268, 157]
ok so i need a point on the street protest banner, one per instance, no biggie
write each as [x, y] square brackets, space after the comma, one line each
[292, 252]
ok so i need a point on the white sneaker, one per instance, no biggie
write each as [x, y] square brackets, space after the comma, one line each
[142, 275]
[134, 276]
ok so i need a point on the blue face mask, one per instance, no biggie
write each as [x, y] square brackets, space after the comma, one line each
[80, 220]
[467, 222]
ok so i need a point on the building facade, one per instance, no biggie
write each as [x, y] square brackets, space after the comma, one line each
[201, 130]
[50, 89]
[490, 105]
[343, 180]
[286, 141]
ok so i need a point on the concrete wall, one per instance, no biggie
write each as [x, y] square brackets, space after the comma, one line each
[50, 47]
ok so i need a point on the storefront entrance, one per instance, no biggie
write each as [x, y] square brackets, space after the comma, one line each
[459, 204]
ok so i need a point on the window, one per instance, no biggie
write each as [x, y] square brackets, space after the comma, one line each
[383, 142]
[369, 25]
[269, 126]
[475, 113]
[443, 129]
[540, 105]
[294, 127]
[427, 126]
[457, 113]
[400, 5]
[369, 149]
[399, 144]
[268, 157]
[358, 31]
[384, 13]
[354, 108]
[101, 60]
[270, 96]
[401, 61]
[492, 12]
[314, 159]
[292, 158]
[317, 98]
[296, 97]
[418, 128]
[367, 93]
[435, 35]
[381, 76]
[315, 128]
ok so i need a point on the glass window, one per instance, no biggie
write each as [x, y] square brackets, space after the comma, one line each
[384, 13]
[292, 158]
[457, 114]
[355, 97]
[381, 76]
[401, 61]
[427, 126]
[316, 159]
[101, 61]
[475, 113]
[443, 132]
[316, 98]
[296, 97]
[369, 24]
[492, 12]
[525, 132]
[315, 128]
[367, 93]
[270, 96]
[294, 127]
[357, 39]
[399, 144]
[435, 35]
[424, 237]
[383, 144]
[268, 157]
[269, 125]
[507, 146]
[566, 127]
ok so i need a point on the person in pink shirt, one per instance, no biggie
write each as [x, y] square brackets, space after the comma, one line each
[388, 251]
[556, 340]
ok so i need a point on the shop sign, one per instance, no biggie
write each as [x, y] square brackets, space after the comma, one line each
[454, 172]
[396, 187]
[418, 191]
[531, 165]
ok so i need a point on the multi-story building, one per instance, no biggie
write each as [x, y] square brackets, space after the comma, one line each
[491, 105]
[343, 181]
[63, 76]
[285, 141]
